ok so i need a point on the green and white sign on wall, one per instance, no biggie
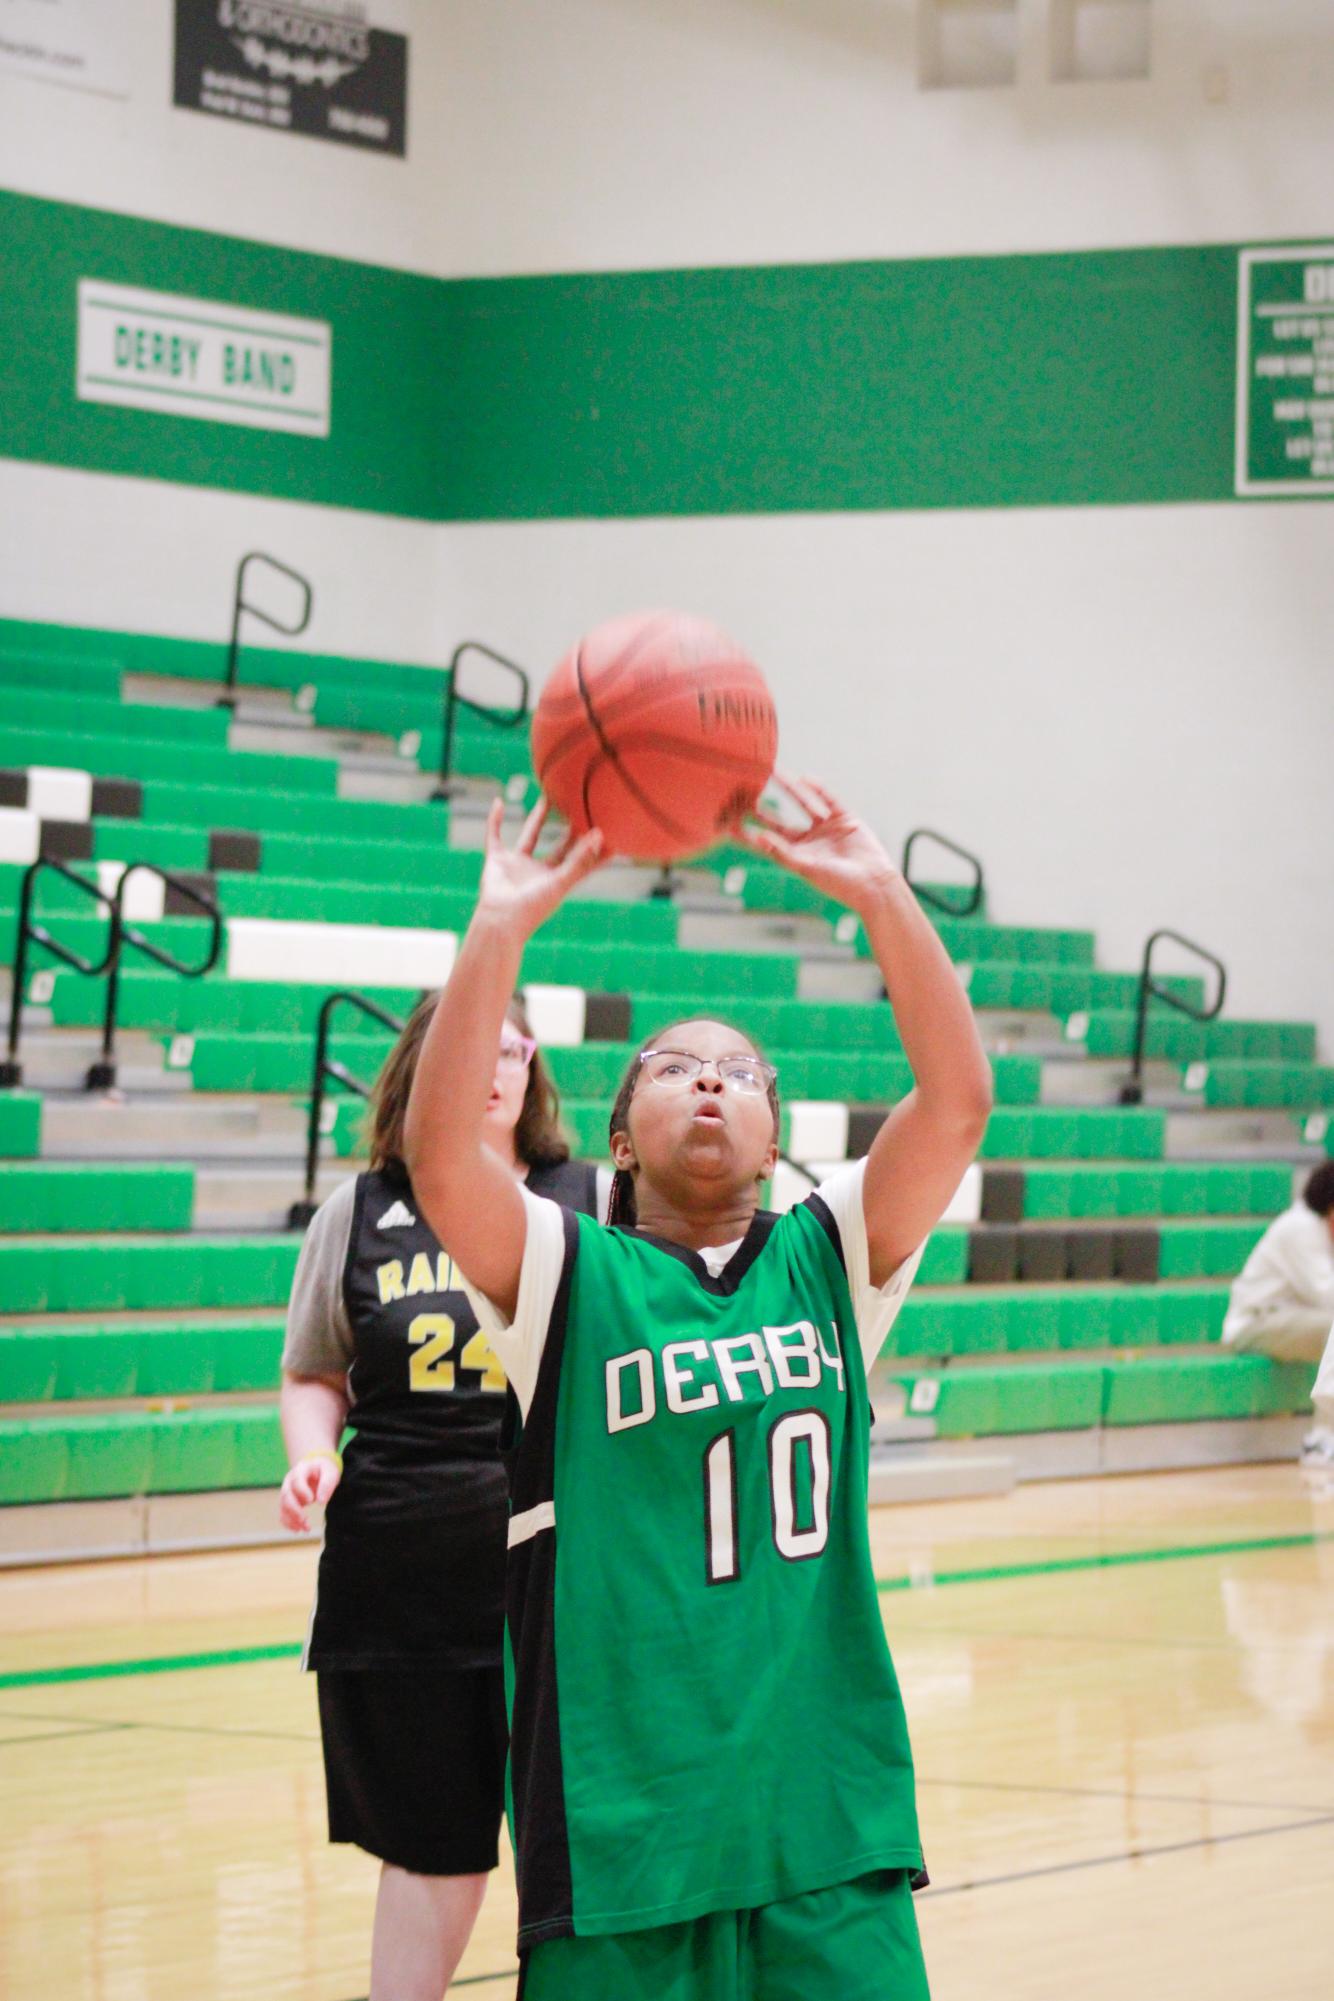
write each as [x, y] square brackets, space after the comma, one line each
[200, 358]
[1285, 370]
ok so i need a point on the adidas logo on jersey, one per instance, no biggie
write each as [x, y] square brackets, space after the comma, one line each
[396, 1217]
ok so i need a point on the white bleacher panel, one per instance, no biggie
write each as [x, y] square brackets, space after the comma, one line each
[966, 1202]
[144, 899]
[57, 794]
[351, 955]
[788, 1186]
[556, 1015]
[818, 1130]
[20, 834]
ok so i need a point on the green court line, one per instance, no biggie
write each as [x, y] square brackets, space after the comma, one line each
[984, 1574]
[1109, 1560]
[155, 1664]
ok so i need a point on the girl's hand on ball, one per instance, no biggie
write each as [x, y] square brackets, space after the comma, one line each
[522, 890]
[836, 853]
[309, 1484]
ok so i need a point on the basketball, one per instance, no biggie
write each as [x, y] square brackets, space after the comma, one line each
[657, 729]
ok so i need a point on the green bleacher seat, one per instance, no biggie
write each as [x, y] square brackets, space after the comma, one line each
[1176, 1038]
[1176, 1188]
[1301, 1086]
[70, 1196]
[81, 714]
[45, 1361]
[20, 1125]
[126, 757]
[118, 1456]
[114, 1274]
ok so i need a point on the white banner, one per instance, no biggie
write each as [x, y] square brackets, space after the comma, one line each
[199, 358]
[82, 43]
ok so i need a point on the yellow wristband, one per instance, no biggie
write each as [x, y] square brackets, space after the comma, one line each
[320, 1453]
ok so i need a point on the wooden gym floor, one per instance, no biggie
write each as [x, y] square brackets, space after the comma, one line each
[1125, 1748]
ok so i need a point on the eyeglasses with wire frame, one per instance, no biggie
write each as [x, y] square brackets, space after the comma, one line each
[674, 1069]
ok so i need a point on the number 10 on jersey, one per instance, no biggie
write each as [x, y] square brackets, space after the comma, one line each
[799, 1459]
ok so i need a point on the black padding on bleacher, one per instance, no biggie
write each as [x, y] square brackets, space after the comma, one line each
[1002, 1194]
[1137, 1255]
[177, 904]
[607, 1017]
[993, 1255]
[1043, 1255]
[65, 841]
[864, 1122]
[118, 799]
[1091, 1254]
[230, 849]
[13, 788]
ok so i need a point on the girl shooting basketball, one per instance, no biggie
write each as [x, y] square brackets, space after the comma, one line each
[713, 1793]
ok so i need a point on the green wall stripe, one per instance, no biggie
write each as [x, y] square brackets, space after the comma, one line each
[1057, 380]
[986, 1574]
[383, 452]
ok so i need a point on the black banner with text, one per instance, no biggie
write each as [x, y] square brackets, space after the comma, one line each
[331, 69]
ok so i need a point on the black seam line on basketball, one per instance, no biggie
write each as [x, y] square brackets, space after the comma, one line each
[1148, 1854]
[1312, 1807]
[668, 826]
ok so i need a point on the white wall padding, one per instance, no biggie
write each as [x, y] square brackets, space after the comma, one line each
[20, 834]
[145, 897]
[818, 1129]
[353, 955]
[556, 1015]
[55, 794]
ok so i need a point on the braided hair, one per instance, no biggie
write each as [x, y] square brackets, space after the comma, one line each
[622, 1210]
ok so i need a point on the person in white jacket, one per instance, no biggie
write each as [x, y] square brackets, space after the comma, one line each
[1282, 1303]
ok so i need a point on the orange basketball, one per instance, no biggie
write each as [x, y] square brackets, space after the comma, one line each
[658, 729]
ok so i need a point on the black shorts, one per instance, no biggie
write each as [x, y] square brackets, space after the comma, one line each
[414, 1764]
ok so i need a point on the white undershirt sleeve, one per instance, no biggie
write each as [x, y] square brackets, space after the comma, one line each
[519, 1342]
[876, 1307]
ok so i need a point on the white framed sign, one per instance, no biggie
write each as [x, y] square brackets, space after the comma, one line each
[82, 44]
[202, 358]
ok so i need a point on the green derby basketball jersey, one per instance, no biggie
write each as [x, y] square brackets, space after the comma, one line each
[704, 1711]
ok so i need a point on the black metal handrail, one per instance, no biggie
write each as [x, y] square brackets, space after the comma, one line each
[300, 1213]
[507, 719]
[102, 1074]
[30, 932]
[240, 605]
[1132, 1091]
[925, 894]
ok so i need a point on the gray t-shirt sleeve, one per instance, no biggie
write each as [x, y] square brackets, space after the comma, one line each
[319, 1339]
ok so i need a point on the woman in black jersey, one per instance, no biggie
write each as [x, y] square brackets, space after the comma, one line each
[406, 1630]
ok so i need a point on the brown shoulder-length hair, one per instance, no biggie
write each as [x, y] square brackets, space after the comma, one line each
[539, 1140]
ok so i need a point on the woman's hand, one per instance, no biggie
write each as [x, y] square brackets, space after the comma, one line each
[310, 1483]
[836, 853]
[518, 888]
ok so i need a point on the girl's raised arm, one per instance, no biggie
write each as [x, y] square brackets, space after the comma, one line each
[920, 1153]
[469, 1198]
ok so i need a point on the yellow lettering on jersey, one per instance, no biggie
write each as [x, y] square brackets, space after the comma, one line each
[480, 1355]
[446, 1273]
[389, 1278]
[432, 1339]
[421, 1278]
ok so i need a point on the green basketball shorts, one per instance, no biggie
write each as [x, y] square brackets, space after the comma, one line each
[855, 1942]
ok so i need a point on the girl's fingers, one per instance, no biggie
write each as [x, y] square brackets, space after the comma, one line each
[583, 858]
[825, 796]
[764, 819]
[494, 821]
[532, 826]
[562, 848]
[763, 843]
